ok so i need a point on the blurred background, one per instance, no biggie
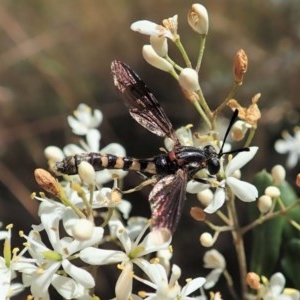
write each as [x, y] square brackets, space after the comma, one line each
[57, 54]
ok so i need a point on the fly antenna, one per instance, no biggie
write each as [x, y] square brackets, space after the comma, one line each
[233, 118]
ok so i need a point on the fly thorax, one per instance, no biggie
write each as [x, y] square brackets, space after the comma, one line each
[190, 158]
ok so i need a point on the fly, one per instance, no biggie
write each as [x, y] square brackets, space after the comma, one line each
[173, 169]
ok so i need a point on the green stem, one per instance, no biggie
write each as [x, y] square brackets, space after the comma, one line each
[238, 243]
[201, 51]
[204, 105]
[182, 51]
[223, 217]
[173, 63]
[269, 216]
[229, 96]
[66, 202]
[250, 137]
[202, 114]
[230, 284]
[90, 206]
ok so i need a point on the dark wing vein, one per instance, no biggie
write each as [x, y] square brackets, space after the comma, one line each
[167, 199]
[142, 104]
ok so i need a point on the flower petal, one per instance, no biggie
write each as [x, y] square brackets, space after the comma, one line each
[65, 286]
[41, 282]
[114, 148]
[124, 284]
[277, 283]
[77, 127]
[72, 149]
[292, 160]
[282, 146]
[217, 201]
[243, 190]
[240, 160]
[94, 256]
[93, 137]
[195, 187]
[155, 240]
[192, 286]
[80, 275]
[150, 28]
[212, 278]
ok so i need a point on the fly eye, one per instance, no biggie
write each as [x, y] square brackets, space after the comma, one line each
[213, 166]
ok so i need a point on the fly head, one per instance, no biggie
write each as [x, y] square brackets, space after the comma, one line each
[212, 159]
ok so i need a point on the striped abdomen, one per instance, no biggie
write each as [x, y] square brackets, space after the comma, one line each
[70, 164]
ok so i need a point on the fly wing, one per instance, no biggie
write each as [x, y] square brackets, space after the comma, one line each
[167, 199]
[142, 104]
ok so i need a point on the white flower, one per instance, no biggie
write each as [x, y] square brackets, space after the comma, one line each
[151, 28]
[184, 135]
[214, 260]
[84, 120]
[84, 125]
[276, 290]
[133, 254]
[49, 260]
[242, 189]
[9, 264]
[290, 145]
[168, 288]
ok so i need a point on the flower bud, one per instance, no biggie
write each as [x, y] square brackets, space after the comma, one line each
[264, 203]
[197, 213]
[272, 191]
[155, 60]
[159, 236]
[253, 281]
[198, 18]
[159, 44]
[206, 239]
[214, 259]
[53, 153]
[47, 182]
[83, 229]
[240, 65]
[87, 173]
[239, 130]
[205, 197]
[278, 174]
[188, 80]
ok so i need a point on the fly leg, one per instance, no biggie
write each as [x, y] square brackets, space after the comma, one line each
[146, 182]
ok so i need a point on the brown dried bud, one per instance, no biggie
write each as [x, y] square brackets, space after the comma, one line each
[240, 65]
[250, 114]
[47, 182]
[253, 280]
[298, 180]
[197, 213]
